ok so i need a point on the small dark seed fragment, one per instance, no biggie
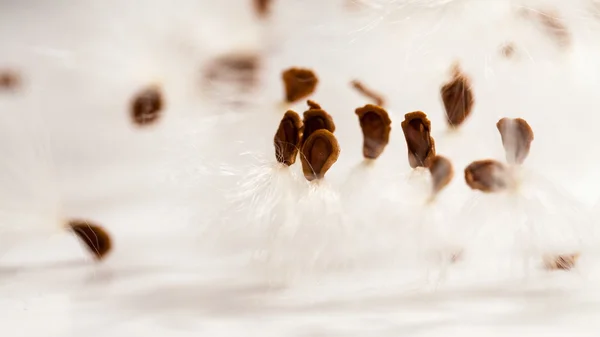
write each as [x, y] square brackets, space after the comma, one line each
[95, 238]
[458, 99]
[420, 144]
[319, 153]
[147, 106]
[360, 87]
[287, 139]
[442, 173]
[376, 127]
[9, 80]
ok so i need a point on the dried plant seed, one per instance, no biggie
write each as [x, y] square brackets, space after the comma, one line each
[315, 119]
[560, 262]
[319, 153]
[507, 50]
[239, 68]
[287, 138]
[147, 106]
[95, 238]
[442, 173]
[487, 176]
[458, 100]
[313, 105]
[552, 24]
[376, 127]
[375, 97]
[262, 7]
[299, 83]
[517, 136]
[420, 144]
[9, 80]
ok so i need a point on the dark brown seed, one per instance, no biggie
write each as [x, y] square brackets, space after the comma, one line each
[299, 83]
[420, 144]
[458, 100]
[262, 7]
[517, 136]
[442, 173]
[376, 126]
[315, 119]
[561, 262]
[319, 153]
[287, 138]
[9, 80]
[487, 176]
[147, 106]
[377, 99]
[95, 238]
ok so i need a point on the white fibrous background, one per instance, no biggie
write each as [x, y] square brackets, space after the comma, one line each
[211, 237]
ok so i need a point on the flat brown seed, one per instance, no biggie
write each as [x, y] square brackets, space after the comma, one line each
[375, 97]
[517, 136]
[458, 100]
[319, 153]
[315, 119]
[420, 144]
[487, 176]
[262, 7]
[241, 68]
[147, 106]
[299, 83]
[9, 80]
[560, 262]
[442, 173]
[287, 138]
[376, 126]
[95, 238]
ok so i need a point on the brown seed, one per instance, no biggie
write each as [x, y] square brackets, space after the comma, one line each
[457, 97]
[442, 173]
[319, 153]
[420, 144]
[9, 80]
[96, 239]
[517, 136]
[376, 126]
[487, 176]
[315, 119]
[299, 83]
[262, 7]
[552, 24]
[507, 50]
[147, 106]
[238, 68]
[560, 262]
[287, 138]
[378, 99]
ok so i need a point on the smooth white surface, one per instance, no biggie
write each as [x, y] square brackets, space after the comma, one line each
[67, 149]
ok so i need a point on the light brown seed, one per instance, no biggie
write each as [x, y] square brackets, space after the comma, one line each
[315, 119]
[376, 127]
[95, 238]
[561, 262]
[487, 176]
[262, 7]
[299, 83]
[287, 139]
[552, 24]
[241, 69]
[442, 173]
[375, 97]
[9, 80]
[508, 50]
[517, 136]
[319, 153]
[458, 99]
[147, 106]
[420, 144]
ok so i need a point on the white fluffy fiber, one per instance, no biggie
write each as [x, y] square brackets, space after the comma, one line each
[165, 193]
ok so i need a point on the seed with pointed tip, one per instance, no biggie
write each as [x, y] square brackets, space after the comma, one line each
[376, 126]
[287, 138]
[420, 144]
[319, 153]
[458, 99]
[299, 83]
[442, 173]
[360, 87]
[517, 136]
[315, 119]
[487, 176]
[313, 105]
[95, 238]
[147, 106]
[561, 262]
